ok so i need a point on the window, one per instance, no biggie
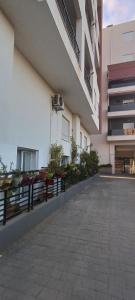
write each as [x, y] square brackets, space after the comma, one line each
[95, 100]
[65, 160]
[85, 142]
[128, 125]
[128, 36]
[65, 129]
[27, 159]
[127, 101]
[80, 139]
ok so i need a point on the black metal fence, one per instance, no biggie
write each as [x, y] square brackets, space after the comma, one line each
[23, 198]
[87, 80]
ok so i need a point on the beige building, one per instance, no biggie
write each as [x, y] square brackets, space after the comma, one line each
[116, 143]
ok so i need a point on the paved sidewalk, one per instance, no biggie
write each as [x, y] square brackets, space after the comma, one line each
[84, 251]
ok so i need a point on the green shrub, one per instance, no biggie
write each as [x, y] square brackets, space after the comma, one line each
[74, 153]
[89, 161]
[56, 152]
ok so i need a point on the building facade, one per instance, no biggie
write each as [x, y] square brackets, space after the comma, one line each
[48, 48]
[116, 143]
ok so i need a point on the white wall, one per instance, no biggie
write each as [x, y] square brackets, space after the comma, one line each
[29, 109]
[25, 102]
[56, 129]
[85, 134]
[6, 65]
[26, 116]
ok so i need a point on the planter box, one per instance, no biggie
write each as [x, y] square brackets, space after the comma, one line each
[105, 170]
[49, 181]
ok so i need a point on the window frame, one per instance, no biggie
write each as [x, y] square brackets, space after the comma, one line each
[64, 137]
[21, 160]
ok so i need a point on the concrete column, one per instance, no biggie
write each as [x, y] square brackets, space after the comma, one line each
[76, 129]
[112, 157]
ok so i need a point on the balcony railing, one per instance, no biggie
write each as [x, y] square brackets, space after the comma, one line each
[121, 107]
[68, 25]
[87, 80]
[89, 21]
[115, 132]
[120, 84]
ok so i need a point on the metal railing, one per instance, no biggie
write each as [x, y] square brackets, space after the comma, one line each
[129, 131]
[15, 200]
[121, 107]
[87, 80]
[68, 25]
[89, 21]
[115, 132]
[120, 84]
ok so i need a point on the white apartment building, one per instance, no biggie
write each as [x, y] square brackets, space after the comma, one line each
[47, 48]
[116, 143]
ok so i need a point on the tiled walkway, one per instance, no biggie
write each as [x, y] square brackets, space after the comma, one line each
[86, 250]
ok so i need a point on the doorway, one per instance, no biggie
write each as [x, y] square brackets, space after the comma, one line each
[125, 159]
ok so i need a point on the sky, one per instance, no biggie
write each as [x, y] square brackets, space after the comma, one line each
[118, 11]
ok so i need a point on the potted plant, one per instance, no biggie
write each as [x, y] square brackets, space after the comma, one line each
[41, 175]
[25, 180]
[1, 182]
[16, 178]
[50, 180]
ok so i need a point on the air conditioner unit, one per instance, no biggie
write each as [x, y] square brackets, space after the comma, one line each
[57, 102]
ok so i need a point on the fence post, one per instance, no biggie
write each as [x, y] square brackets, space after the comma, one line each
[46, 191]
[29, 197]
[32, 190]
[62, 185]
[5, 208]
[57, 185]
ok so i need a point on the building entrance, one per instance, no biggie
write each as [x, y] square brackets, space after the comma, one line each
[125, 159]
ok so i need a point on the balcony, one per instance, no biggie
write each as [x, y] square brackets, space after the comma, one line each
[68, 25]
[121, 135]
[89, 19]
[121, 83]
[87, 80]
[121, 110]
[115, 132]
[121, 107]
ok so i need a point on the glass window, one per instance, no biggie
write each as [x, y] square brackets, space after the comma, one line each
[26, 159]
[65, 129]
[128, 125]
[85, 142]
[65, 160]
[80, 139]
[127, 101]
[95, 100]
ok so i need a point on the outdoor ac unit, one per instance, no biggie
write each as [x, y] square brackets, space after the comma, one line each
[57, 102]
